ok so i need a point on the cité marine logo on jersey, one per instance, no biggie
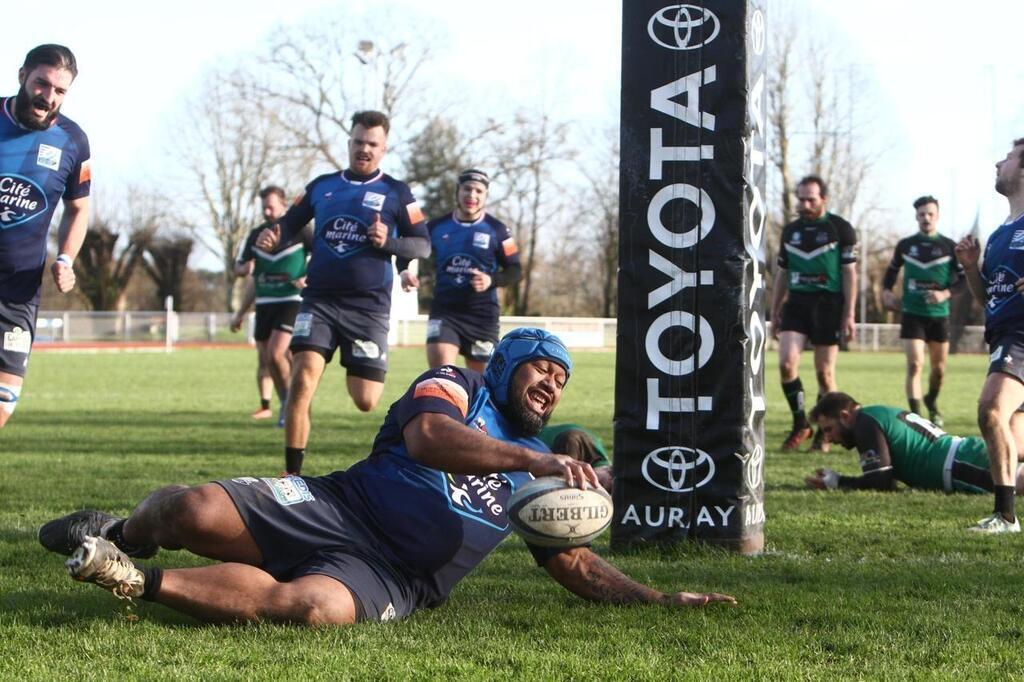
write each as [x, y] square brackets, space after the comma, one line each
[481, 498]
[21, 200]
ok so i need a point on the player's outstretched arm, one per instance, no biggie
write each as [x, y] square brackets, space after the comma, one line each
[587, 575]
[443, 443]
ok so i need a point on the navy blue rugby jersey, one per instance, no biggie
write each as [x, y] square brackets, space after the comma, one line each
[437, 526]
[38, 168]
[344, 265]
[485, 245]
[1002, 267]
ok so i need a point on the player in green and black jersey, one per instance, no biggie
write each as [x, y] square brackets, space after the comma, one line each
[930, 271]
[817, 269]
[277, 281]
[897, 445]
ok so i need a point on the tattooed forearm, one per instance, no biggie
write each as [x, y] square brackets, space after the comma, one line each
[593, 578]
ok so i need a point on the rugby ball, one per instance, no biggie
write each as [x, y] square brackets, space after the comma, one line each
[549, 513]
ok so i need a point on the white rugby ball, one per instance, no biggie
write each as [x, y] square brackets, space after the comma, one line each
[549, 513]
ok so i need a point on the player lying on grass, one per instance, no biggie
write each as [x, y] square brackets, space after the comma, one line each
[896, 445]
[393, 533]
[581, 444]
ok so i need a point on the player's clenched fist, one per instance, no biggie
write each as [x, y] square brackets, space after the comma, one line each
[377, 232]
[269, 238]
[63, 276]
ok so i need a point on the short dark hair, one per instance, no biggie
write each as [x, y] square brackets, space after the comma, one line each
[371, 119]
[926, 199]
[1020, 140]
[815, 179]
[273, 189]
[831, 404]
[51, 54]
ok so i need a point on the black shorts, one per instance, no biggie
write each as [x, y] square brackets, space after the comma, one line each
[271, 316]
[302, 529]
[817, 316]
[1006, 355]
[323, 326]
[17, 332]
[931, 329]
[475, 336]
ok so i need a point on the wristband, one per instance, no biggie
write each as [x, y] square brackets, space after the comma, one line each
[65, 259]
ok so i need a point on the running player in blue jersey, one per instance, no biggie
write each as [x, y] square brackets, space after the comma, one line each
[392, 534]
[475, 254]
[44, 158]
[276, 288]
[999, 285]
[363, 218]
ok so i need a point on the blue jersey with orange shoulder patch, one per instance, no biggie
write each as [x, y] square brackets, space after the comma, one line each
[1002, 267]
[38, 168]
[485, 245]
[344, 265]
[437, 526]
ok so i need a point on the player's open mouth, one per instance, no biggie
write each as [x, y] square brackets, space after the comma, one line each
[539, 399]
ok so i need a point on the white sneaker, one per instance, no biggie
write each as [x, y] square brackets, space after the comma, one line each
[98, 561]
[995, 524]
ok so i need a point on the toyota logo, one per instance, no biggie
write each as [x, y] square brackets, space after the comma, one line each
[678, 469]
[673, 26]
[757, 32]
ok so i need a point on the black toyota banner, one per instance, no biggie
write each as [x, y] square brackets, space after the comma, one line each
[689, 393]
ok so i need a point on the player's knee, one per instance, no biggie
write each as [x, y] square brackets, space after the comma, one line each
[365, 403]
[914, 367]
[788, 368]
[193, 512]
[989, 417]
[9, 394]
[825, 376]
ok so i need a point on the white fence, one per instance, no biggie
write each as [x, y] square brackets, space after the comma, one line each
[170, 328]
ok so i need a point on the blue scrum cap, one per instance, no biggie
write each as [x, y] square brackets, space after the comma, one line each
[517, 347]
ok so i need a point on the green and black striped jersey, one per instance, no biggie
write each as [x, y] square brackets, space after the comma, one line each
[929, 264]
[814, 251]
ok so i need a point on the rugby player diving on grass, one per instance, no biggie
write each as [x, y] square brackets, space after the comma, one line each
[897, 445]
[392, 534]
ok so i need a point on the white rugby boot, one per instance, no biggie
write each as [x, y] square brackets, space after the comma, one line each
[99, 561]
[995, 524]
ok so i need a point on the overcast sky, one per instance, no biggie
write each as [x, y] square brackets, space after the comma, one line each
[948, 76]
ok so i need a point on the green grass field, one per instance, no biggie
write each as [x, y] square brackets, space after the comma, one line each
[862, 585]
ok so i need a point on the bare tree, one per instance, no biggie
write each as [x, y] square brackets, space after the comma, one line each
[104, 272]
[314, 76]
[231, 147]
[528, 161]
[600, 209]
[166, 263]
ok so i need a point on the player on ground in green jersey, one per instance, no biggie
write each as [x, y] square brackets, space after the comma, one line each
[817, 279]
[581, 444]
[930, 271]
[897, 445]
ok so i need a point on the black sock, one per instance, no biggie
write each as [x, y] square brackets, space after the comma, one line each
[264, 404]
[929, 399]
[1004, 502]
[915, 405]
[115, 533]
[794, 392]
[154, 576]
[293, 459]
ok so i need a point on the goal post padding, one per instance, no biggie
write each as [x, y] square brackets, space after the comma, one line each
[689, 396]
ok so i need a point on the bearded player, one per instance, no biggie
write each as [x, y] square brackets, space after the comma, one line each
[897, 445]
[391, 535]
[44, 158]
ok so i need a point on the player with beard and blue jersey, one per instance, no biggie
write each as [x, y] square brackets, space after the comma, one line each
[392, 534]
[475, 254]
[44, 158]
[363, 218]
[999, 285]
